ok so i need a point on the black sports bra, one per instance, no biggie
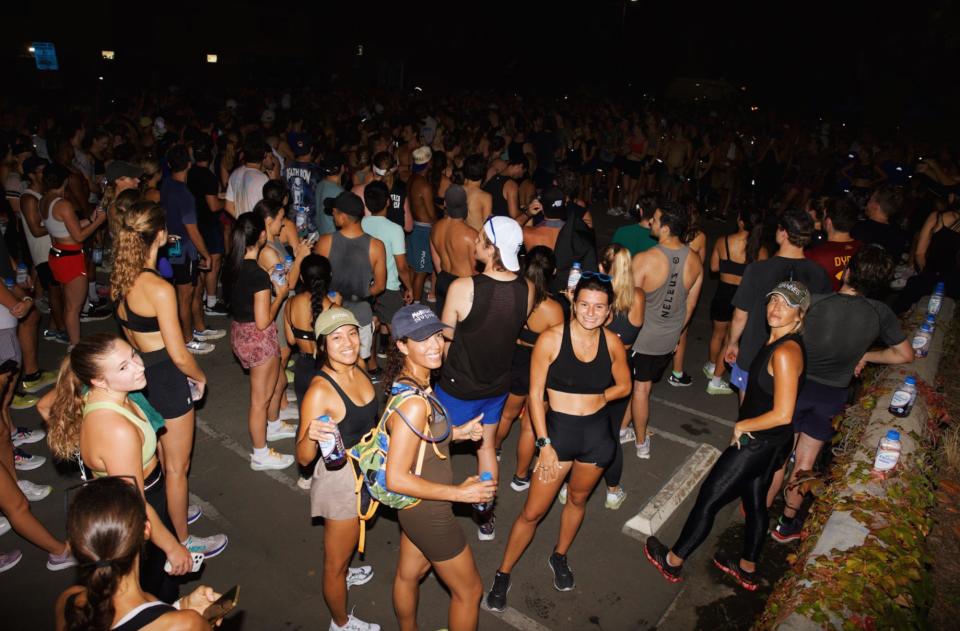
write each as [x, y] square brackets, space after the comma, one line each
[135, 322]
[302, 334]
[569, 374]
[728, 266]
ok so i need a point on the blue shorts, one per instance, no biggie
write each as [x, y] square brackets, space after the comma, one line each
[739, 378]
[460, 411]
[418, 248]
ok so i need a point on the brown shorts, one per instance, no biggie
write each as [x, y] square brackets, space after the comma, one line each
[431, 526]
[252, 346]
[333, 493]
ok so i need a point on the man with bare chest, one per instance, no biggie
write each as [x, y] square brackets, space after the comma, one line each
[479, 202]
[452, 243]
[424, 216]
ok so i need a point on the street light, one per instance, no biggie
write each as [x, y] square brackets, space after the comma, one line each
[31, 49]
[108, 54]
[211, 59]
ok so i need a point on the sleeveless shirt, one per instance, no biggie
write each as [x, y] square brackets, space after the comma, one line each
[666, 308]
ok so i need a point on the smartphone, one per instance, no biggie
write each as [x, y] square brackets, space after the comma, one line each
[224, 605]
[313, 237]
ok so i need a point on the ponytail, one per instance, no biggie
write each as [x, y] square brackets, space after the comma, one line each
[246, 233]
[139, 228]
[616, 260]
[316, 274]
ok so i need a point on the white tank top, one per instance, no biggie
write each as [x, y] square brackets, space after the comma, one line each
[56, 228]
[39, 246]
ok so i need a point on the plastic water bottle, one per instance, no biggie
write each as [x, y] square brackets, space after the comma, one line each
[483, 507]
[932, 321]
[96, 255]
[936, 300]
[888, 452]
[287, 264]
[903, 398]
[301, 221]
[279, 276]
[9, 283]
[574, 277]
[331, 448]
[23, 276]
[921, 341]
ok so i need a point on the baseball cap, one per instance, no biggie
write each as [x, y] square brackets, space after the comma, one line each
[332, 319]
[552, 200]
[507, 236]
[422, 155]
[268, 116]
[332, 163]
[416, 322]
[346, 202]
[795, 293]
[33, 163]
[300, 143]
[455, 201]
[118, 169]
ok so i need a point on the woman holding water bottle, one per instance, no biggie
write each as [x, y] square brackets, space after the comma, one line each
[147, 311]
[337, 422]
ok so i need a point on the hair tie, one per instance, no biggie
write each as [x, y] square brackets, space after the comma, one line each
[102, 563]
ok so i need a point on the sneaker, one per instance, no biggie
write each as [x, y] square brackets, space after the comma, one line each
[723, 388]
[354, 624]
[376, 376]
[708, 369]
[731, 567]
[487, 531]
[281, 430]
[359, 575]
[43, 379]
[291, 395]
[682, 381]
[643, 449]
[24, 401]
[4, 525]
[210, 546]
[199, 347]
[787, 530]
[562, 495]
[291, 412]
[656, 553]
[615, 211]
[53, 335]
[9, 559]
[194, 512]
[562, 575]
[63, 338]
[304, 483]
[615, 500]
[208, 334]
[273, 460]
[217, 310]
[291, 377]
[42, 304]
[63, 561]
[628, 435]
[24, 461]
[26, 436]
[496, 599]
[93, 313]
[499, 453]
[519, 484]
[34, 492]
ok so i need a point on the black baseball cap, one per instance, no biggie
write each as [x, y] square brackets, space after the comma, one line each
[416, 322]
[118, 169]
[301, 144]
[33, 163]
[346, 202]
[332, 163]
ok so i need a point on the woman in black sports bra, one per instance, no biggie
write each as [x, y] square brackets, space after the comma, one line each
[343, 392]
[574, 437]
[147, 311]
[539, 269]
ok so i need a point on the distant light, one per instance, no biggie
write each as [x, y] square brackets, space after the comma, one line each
[100, 78]
[417, 88]
[743, 88]
[698, 85]
[754, 108]
[108, 54]
[211, 59]
[753, 182]
[565, 97]
[899, 169]
[31, 49]
[843, 124]
[359, 50]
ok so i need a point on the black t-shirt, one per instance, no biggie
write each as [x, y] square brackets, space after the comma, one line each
[202, 182]
[250, 280]
[758, 279]
[890, 237]
[839, 329]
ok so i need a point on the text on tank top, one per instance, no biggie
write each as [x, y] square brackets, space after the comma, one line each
[666, 307]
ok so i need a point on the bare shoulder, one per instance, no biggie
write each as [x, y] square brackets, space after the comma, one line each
[187, 620]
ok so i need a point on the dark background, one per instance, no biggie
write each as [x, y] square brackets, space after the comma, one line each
[878, 61]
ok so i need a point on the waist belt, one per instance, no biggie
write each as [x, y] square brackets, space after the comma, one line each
[58, 253]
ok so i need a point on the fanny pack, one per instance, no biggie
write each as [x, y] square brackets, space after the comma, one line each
[58, 253]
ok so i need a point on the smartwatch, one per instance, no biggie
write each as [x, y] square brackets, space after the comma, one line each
[542, 442]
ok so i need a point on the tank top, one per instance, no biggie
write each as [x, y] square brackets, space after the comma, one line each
[357, 419]
[142, 616]
[623, 328]
[39, 246]
[277, 246]
[728, 266]
[759, 396]
[352, 274]
[943, 250]
[478, 363]
[56, 228]
[495, 187]
[398, 195]
[149, 448]
[568, 374]
[136, 322]
[666, 308]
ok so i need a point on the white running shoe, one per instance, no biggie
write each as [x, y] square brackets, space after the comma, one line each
[281, 430]
[289, 413]
[34, 492]
[198, 347]
[723, 388]
[24, 461]
[57, 562]
[210, 546]
[615, 500]
[359, 575]
[194, 512]
[304, 483]
[354, 624]
[628, 435]
[562, 495]
[643, 449]
[291, 395]
[25, 436]
[9, 559]
[273, 460]
[208, 334]
[4, 525]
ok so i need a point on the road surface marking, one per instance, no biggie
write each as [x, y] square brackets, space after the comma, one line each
[210, 512]
[670, 436]
[689, 410]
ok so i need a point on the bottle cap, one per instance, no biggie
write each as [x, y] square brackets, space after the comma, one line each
[21, 266]
[926, 328]
[486, 476]
[893, 435]
[939, 287]
[9, 282]
[278, 266]
[910, 380]
[576, 265]
[289, 258]
[324, 418]
[931, 319]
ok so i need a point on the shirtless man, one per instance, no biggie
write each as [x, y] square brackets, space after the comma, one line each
[407, 145]
[479, 202]
[452, 243]
[677, 154]
[384, 169]
[554, 209]
[424, 216]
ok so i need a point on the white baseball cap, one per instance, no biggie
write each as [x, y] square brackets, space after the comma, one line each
[507, 236]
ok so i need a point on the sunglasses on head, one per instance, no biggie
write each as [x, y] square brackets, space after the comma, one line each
[600, 276]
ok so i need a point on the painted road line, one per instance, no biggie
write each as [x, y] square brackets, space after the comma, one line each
[226, 441]
[689, 410]
[659, 508]
[671, 436]
[211, 513]
[514, 618]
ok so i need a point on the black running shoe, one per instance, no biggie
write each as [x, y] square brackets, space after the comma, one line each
[519, 484]
[562, 575]
[497, 596]
[731, 567]
[656, 553]
[682, 381]
[787, 530]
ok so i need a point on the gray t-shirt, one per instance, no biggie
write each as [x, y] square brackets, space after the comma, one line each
[325, 190]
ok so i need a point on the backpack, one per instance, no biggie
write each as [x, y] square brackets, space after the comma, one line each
[369, 457]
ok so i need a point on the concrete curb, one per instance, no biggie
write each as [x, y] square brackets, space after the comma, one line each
[841, 531]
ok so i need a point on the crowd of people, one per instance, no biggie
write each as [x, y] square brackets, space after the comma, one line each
[443, 252]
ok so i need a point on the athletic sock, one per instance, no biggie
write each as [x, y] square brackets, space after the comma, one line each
[211, 301]
[677, 374]
[710, 366]
[260, 452]
[716, 382]
[92, 291]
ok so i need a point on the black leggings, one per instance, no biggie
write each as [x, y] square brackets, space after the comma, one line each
[615, 471]
[153, 578]
[304, 370]
[745, 473]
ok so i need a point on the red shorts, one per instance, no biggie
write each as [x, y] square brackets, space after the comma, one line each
[252, 346]
[67, 262]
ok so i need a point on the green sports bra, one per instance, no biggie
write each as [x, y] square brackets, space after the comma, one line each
[149, 449]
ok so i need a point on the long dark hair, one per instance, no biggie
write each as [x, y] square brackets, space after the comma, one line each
[105, 528]
[753, 223]
[539, 268]
[315, 276]
[246, 233]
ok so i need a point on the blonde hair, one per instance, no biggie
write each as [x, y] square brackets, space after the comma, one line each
[616, 261]
[138, 229]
